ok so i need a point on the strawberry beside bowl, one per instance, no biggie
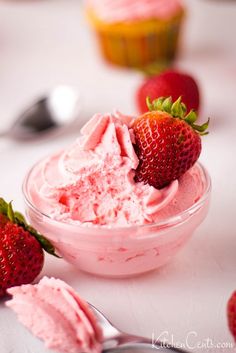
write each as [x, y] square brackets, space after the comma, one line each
[120, 251]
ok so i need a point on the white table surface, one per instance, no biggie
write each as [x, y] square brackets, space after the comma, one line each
[43, 43]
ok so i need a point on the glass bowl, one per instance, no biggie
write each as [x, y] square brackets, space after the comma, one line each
[124, 251]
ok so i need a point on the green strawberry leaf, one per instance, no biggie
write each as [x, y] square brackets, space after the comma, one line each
[201, 128]
[16, 217]
[177, 109]
[167, 105]
[191, 117]
[44, 242]
[10, 213]
[20, 219]
[3, 207]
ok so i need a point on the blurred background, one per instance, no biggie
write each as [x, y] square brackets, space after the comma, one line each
[45, 43]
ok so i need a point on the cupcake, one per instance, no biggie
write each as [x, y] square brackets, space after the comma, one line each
[136, 33]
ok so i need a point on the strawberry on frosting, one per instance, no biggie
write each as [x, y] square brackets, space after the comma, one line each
[168, 141]
[131, 10]
[92, 181]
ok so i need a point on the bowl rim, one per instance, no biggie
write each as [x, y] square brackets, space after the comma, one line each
[166, 223]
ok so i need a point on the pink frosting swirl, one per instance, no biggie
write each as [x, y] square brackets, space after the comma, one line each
[92, 181]
[55, 313]
[130, 10]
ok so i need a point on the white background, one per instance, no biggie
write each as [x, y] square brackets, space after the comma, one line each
[43, 43]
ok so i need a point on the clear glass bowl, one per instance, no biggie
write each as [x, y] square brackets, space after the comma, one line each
[125, 251]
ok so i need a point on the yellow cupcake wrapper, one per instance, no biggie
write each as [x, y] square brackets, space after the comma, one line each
[139, 43]
[139, 52]
[136, 28]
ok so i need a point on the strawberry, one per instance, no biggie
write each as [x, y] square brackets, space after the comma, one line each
[231, 312]
[167, 142]
[169, 83]
[21, 249]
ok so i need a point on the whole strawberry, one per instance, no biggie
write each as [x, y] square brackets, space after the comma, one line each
[231, 312]
[169, 83]
[21, 249]
[168, 142]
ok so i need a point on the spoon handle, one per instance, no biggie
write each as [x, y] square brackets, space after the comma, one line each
[130, 341]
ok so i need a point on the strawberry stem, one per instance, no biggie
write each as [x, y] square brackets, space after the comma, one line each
[177, 109]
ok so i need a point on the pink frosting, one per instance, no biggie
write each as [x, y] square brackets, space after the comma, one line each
[130, 10]
[55, 313]
[92, 182]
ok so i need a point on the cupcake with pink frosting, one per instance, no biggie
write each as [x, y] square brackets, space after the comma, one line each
[136, 33]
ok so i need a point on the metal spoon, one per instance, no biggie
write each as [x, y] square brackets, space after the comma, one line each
[50, 113]
[116, 340]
